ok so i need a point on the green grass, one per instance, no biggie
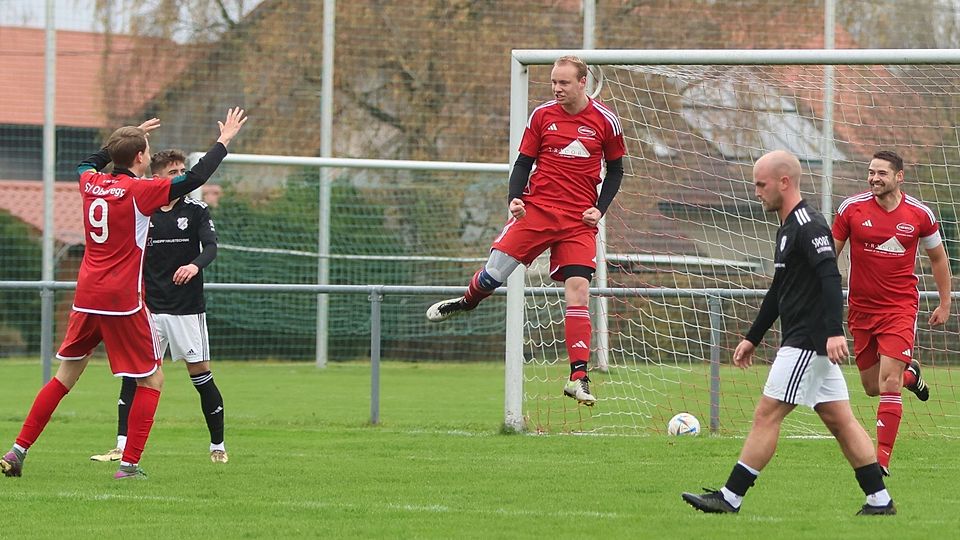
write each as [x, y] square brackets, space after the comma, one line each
[305, 463]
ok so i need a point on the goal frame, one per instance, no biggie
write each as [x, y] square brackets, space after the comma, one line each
[521, 59]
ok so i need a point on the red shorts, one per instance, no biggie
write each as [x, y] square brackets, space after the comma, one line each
[887, 334]
[570, 240]
[131, 341]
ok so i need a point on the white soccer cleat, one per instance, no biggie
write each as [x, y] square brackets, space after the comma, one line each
[580, 391]
[219, 456]
[445, 309]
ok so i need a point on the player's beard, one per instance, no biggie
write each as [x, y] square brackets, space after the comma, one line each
[883, 189]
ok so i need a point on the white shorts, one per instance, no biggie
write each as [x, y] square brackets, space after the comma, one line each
[186, 335]
[802, 377]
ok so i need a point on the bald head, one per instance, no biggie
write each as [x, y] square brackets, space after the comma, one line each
[778, 164]
[776, 177]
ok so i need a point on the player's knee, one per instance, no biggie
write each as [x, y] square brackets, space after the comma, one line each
[498, 268]
[486, 281]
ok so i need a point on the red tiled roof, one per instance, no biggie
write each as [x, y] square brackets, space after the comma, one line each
[80, 88]
[23, 199]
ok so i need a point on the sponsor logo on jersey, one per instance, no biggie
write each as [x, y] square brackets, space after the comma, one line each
[183, 223]
[892, 246]
[867, 223]
[575, 149]
[822, 244]
[552, 127]
[586, 131]
[906, 228]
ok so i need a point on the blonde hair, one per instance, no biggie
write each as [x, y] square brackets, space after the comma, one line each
[574, 61]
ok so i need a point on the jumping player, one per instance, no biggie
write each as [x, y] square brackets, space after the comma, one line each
[557, 207]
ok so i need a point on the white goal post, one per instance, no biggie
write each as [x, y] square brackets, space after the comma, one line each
[818, 115]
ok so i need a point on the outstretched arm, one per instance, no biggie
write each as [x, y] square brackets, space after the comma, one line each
[201, 172]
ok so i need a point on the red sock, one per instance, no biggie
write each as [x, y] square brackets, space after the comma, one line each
[475, 291]
[139, 422]
[888, 424]
[576, 331]
[909, 379]
[43, 406]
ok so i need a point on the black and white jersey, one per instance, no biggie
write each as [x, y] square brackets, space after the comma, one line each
[806, 292]
[181, 236]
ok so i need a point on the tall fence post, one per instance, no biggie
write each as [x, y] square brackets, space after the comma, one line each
[716, 323]
[376, 301]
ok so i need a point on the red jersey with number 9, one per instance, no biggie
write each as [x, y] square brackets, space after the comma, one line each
[116, 219]
[569, 149]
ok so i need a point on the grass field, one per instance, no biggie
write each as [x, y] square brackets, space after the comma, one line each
[305, 463]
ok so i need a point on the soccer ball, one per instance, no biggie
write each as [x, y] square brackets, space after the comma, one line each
[684, 424]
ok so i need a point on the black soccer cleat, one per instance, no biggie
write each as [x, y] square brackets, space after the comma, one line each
[888, 510]
[445, 309]
[920, 387]
[711, 502]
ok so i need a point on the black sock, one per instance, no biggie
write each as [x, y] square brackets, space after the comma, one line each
[579, 365]
[127, 388]
[740, 480]
[870, 478]
[211, 402]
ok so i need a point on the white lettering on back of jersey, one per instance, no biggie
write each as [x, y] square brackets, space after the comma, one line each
[99, 191]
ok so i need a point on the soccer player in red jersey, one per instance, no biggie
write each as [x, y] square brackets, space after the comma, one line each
[108, 305]
[884, 226]
[557, 207]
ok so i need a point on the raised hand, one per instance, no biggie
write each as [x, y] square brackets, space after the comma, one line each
[231, 125]
[150, 125]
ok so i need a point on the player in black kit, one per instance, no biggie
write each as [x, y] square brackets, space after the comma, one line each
[182, 241]
[806, 296]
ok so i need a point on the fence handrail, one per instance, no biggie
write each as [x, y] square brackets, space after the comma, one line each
[417, 290]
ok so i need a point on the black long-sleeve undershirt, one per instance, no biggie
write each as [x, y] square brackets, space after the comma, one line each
[520, 175]
[199, 173]
[181, 185]
[611, 184]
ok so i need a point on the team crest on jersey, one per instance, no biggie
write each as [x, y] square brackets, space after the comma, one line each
[783, 243]
[905, 228]
[182, 223]
[586, 131]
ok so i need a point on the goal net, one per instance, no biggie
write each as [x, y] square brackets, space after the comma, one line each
[689, 250]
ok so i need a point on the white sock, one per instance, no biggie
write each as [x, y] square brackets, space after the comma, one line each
[880, 498]
[222, 447]
[122, 442]
[749, 468]
[125, 464]
[731, 497]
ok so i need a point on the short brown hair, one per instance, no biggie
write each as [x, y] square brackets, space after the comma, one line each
[161, 160]
[574, 61]
[124, 145]
[892, 157]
